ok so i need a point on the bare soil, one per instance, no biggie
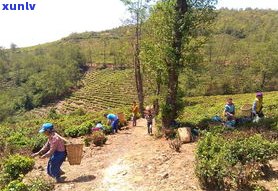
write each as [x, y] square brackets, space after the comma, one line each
[133, 160]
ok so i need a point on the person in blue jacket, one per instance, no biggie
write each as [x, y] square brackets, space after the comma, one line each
[229, 113]
[113, 120]
[229, 110]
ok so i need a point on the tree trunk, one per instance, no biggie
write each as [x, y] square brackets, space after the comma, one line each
[137, 68]
[173, 65]
[158, 88]
[263, 80]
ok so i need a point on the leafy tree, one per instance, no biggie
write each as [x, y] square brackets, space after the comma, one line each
[138, 10]
[180, 27]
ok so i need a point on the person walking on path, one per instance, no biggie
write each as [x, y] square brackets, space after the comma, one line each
[135, 113]
[149, 117]
[53, 148]
[113, 120]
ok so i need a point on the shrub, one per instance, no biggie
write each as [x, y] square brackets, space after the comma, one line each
[38, 142]
[87, 141]
[76, 131]
[15, 165]
[236, 162]
[158, 133]
[39, 184]
[17, 140]
[16, 185]
[98, 138]
[211, 165]
[107, 129]
[79, 112]
[52, 114]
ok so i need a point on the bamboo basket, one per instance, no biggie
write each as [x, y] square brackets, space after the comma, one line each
[121, 117]
[246, 110]
[74, 153]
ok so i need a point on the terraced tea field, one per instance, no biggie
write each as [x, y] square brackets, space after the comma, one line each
[102, 90]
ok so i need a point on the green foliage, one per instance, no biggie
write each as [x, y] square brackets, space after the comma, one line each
[17, 139]
[98, 138]
[107, 129]
[252, 149]
[52, 114]
[40, 184]
[37, 142]
[16, 165]
[235, 162]
[16, 185]
[38, 77]
[76, 131]
[79, 112]
[199, 110]
[211, 165]
[86, 141]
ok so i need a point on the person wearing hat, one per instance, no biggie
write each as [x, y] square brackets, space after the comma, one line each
[54, 148]
[258, 105]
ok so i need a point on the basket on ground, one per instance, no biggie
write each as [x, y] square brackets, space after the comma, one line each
[121, 117]
[246, 110]
[74, 153]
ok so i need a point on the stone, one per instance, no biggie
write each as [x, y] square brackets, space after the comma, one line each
[184, 134]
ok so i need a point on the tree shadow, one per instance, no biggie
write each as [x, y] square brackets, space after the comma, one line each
[269, 173]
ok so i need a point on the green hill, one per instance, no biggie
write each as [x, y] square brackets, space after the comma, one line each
[240, 56]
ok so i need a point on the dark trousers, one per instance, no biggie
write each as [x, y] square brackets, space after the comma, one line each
[115, 126]
[149, 125]
[55, 162]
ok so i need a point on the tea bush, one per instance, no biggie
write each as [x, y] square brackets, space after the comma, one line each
[16, 165]
[18, 140]
[39, 184]
[211, 167]
[37, 142]
[16, 185]
[76, 131]
[234, 162]
[107, 129]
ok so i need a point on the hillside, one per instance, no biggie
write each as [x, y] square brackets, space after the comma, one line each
[103, 90]
[73, 82]
[238, 57]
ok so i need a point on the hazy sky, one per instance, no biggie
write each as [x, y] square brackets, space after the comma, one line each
[53, 19]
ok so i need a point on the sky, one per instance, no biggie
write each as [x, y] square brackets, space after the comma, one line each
[54, 19]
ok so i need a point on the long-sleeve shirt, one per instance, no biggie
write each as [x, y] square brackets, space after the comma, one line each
[135, 109]
[229, 108]
[257, 105]
[149, 118]
[54, 143]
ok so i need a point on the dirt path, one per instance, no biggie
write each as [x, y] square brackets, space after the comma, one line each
[131, 160]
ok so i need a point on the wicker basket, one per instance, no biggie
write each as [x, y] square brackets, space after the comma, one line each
[246, 110]
[121, 117]
[74, 153]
